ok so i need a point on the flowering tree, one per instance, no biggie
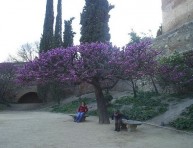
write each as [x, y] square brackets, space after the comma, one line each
[93, 66]
[135, 61]
[7, 75]
[50, 69]
[176, 71]
[84, 63]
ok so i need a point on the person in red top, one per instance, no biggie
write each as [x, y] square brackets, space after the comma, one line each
[81, 112]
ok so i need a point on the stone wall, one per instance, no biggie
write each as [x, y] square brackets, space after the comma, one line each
[180, 40]
[175, 13]
[85, 88]
[21, 91]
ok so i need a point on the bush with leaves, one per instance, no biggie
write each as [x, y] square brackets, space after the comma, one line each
[72, 106]
[84, 63]
[108, 97]
[176, 72]
[136, 61]
[184, 122]
[143, 107]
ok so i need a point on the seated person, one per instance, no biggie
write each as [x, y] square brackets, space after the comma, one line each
[118, 120]
[81, 112]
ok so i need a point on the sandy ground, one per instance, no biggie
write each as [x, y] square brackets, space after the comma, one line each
[20, 129]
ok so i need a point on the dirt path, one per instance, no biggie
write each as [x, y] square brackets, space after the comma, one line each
[173, 112]
[50, 130]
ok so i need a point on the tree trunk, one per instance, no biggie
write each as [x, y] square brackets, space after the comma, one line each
[101, 105]
[156, 90]
[134, 90]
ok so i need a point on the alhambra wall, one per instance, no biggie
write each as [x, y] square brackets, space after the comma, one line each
[179, 40]
[176, 13]
[177, 27]
[177, 36]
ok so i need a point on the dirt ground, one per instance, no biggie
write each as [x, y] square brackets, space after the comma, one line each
[31, 129]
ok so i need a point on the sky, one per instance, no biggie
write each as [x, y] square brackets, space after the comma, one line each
[22, 21]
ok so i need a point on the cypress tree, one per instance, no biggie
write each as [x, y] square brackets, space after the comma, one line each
[68, 34]
[94, 20]
[46, 42]
[58, 26]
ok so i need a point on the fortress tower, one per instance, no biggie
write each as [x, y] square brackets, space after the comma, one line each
[176, 13]
[177, 27]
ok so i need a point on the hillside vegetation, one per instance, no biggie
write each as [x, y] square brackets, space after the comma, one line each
[144, 107]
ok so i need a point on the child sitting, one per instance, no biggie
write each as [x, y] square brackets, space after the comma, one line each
[118, 120]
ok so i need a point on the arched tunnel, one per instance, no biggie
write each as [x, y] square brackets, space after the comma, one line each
[30, 97]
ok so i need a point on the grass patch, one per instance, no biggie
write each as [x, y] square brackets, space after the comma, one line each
[92, 113]
[181, 95]
[185, 121]
[2, 107]
[72, 106]
[144, 107]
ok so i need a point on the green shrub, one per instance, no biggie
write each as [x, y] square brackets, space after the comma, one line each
[176, 71]
[182, 95]
[162, 108]
[185, 121]
[147, 94]
[137, 113]
[92, 113]
[111, 110]
[188, 112]
[108, 97]
[70, 107]
[143, 107]
[2, 107]
[138, 101]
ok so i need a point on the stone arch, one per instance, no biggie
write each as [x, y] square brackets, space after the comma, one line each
[30, 97]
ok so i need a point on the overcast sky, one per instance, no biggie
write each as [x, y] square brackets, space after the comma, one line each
[22, 20]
